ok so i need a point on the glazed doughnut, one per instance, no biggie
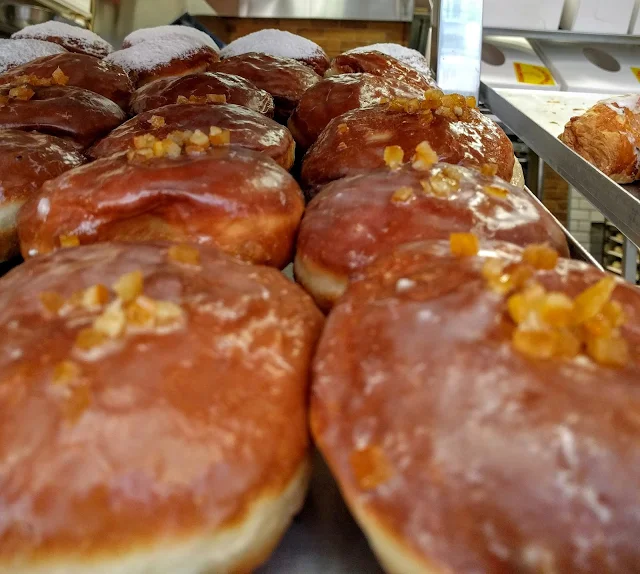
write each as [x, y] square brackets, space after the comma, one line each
[465, 442]
[18, 52]
[606, 135]
[246, 128]
[167, 35]
[236, 90]
[236, 199]
[369, 214]
[380, 64]
[354, 142]
[338, 94]
[408, 56]
[159, 58]
[285, 79]
[63, 111]
[27, 160]
[153, 406]
[279, 43]
[82, 71]
[72, 38]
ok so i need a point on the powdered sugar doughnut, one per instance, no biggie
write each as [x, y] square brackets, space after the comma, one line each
[159, 58]
[167, 34]
[279, 43]
[407, 56]
[73, 38]
[18, 52]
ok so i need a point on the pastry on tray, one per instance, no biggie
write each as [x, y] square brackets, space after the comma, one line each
[153, 410]
[59, 110]
[355, 142]
[380, 64]
[27, 160]
[479, 410]
[608, 135]
[154, 57]
[80, 70]
[285, 79]
[206, 87]
[279, 43]
[72, 38]
[355, 219]
[231, 124]
[336, 95]
[408, 56]
[234, 198]
[17, 52]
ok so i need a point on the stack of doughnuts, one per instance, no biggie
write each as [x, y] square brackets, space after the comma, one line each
[473, 390]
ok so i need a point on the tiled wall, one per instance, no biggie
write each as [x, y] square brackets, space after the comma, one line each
[581, 215]
[334, 36]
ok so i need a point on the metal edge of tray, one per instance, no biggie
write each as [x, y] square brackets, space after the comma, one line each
[564, 36]
[620, 204]
[324, 538]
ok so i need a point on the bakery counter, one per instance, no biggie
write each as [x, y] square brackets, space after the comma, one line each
[538, 119]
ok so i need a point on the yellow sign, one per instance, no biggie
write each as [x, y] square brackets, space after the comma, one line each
[636, 73]
[530, 74]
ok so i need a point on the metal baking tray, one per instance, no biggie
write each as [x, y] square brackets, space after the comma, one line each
[324, 538]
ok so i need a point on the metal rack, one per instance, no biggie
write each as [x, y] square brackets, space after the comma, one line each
[564, 36]
[618, 203]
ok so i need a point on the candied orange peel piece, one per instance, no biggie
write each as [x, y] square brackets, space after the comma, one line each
[157, 121]
[425, 157]
[66, 372]
[147, 146]
[51, 301]
[69, 241]
[183, 253]
[219, 136]
[90, 338]
[552, 324]
[370, 467]
[112, 322]
[592, 300]
[495, 191]
[23, 93]
[442, 184]
[489, 169]
[464, 244]
[59, 77]
[129, 285]
[540, 256]
[393, 156]
[402, 194]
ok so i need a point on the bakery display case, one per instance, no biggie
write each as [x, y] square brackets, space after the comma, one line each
[288, 302]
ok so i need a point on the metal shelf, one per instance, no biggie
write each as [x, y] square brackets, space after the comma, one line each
[62, 7]
[619, 203]
[564, 36]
